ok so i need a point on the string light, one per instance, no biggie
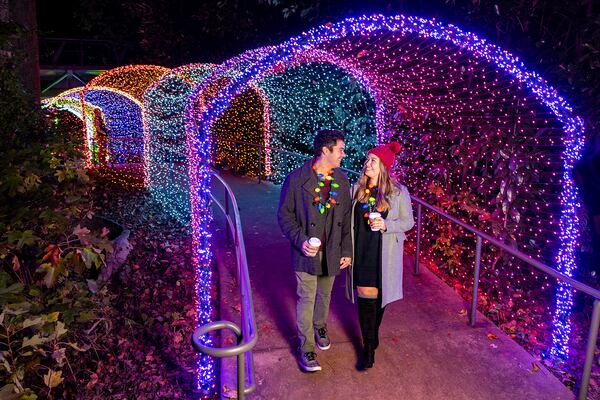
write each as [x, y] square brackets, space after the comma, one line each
[485, 138]
[69, 101]
[119, 94]
[441, 82]
[165, 150]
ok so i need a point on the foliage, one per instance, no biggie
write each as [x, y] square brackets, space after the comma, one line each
[146, 351]
[48, 258]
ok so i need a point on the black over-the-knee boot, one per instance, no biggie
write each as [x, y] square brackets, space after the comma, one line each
[380, 311]
[367, 317]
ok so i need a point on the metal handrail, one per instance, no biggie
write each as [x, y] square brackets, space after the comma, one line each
[247, 335]
[480, 236]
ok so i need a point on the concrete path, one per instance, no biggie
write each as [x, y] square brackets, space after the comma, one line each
[427, 351]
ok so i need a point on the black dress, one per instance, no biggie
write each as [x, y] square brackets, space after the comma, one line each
[367, 249]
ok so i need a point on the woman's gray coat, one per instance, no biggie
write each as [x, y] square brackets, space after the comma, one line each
[399, 220]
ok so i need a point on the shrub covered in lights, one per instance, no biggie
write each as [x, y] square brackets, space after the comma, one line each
[313, 96]
[485, 138]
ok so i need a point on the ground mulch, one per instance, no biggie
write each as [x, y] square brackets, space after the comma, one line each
[145, 350]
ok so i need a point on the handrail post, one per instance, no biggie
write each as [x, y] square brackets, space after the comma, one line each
[418, 247]
[591, 348]
[475, 281]
[241, 375]
[259, 163]
[235, 158]
[227, 229]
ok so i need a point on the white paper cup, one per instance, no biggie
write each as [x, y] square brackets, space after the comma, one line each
[372, 216]
[314, 242]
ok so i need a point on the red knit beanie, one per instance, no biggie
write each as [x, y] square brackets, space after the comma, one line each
[386, 153]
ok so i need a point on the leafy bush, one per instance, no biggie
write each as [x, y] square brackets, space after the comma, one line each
[48, 257]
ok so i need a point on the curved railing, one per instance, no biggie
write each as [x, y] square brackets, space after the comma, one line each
[246, 335]
[480, 237]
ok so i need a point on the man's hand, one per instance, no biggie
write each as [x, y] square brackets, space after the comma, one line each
[308, 250]
[345, 262]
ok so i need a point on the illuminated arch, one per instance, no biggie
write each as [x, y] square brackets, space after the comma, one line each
[69, 101]
[165, 147]
[319, 91]
[445, 88]
[119, 94]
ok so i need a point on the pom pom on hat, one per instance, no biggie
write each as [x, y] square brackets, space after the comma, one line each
[395, 147]
[386, 153]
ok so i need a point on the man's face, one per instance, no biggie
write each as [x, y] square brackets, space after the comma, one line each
[336, 155]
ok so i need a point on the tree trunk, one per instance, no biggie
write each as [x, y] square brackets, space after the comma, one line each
[22, 13]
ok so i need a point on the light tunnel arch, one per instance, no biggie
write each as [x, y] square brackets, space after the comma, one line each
[165, 147]
[330, 93]
[69, 101]
[122, 115]
[119, 93]
[165, 150]
[200, 221]
[439, 79]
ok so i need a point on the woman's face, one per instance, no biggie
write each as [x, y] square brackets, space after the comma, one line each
[372, 167]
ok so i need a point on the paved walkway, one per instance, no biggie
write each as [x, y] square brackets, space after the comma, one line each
[427, 351]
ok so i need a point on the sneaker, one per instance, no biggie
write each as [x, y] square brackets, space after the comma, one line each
[308, 361]
[322, 339]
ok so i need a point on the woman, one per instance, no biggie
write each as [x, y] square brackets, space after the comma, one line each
[378, 243]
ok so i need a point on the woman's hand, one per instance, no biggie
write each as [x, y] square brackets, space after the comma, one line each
[378, 224]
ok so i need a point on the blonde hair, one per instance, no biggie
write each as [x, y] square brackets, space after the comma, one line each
[386, 185]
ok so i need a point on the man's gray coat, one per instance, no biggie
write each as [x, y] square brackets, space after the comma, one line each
[299, 219]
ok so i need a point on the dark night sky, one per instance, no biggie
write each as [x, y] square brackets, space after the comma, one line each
[175, 32]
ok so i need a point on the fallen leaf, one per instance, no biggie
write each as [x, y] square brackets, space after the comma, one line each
[535, 368]
[53, 378]
[16, 265]
[81, 232]
[93, 381]
[491, 336]
[9, 392]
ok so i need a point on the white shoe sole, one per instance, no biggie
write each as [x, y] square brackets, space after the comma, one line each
[309, 369]
[325, 347]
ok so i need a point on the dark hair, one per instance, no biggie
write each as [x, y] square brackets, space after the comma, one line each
[326, 138]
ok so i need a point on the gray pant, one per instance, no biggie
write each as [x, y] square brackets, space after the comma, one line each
[312, 306]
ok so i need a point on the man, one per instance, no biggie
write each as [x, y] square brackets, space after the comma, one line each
[315, 203]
